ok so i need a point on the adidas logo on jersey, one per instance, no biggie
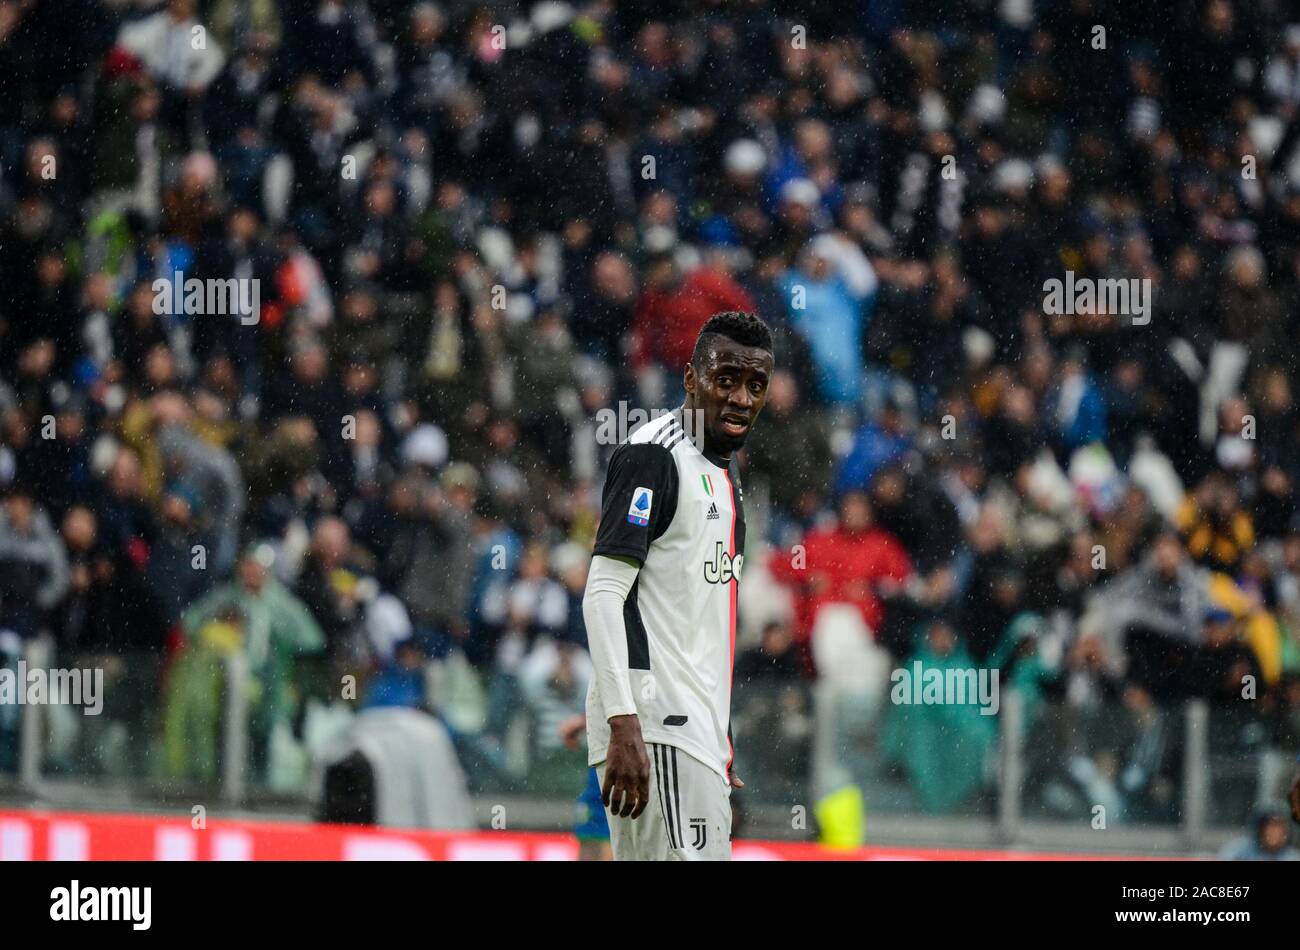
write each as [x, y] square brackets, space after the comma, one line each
[713, 513]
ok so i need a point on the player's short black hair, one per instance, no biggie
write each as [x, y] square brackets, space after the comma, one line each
[744, 328]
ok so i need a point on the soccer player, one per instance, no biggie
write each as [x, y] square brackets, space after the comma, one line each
[660, 606]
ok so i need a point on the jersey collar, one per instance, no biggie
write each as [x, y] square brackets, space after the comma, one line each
[688, 426]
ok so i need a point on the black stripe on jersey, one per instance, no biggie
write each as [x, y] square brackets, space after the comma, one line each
[733, 476]
[677, 800]
[666, 433]
[666, 804]
[638, 642]
[678, 436]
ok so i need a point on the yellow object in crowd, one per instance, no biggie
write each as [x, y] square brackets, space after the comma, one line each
[842, 818]
[1261, 629]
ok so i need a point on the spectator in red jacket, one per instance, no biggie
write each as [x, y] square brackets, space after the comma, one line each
[853, 562]
[674, 306]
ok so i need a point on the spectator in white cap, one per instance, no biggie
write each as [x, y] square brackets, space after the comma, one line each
[425, 446]
[799, 215]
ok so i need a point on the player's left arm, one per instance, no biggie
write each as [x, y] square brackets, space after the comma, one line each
[732, 778]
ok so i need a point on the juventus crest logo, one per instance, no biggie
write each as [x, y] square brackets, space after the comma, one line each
[700, 827]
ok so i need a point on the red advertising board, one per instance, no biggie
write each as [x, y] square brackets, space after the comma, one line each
[72, 836]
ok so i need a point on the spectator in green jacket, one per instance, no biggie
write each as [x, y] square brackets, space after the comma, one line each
[942, 746]
[253, 615]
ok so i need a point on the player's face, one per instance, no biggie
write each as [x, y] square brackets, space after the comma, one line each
[729, 390]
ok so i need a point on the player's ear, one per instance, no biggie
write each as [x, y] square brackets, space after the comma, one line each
[688, 378]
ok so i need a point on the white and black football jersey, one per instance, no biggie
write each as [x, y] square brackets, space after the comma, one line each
[679, 514]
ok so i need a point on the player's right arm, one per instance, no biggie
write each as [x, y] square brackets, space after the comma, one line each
[640, 498]
[626, 789]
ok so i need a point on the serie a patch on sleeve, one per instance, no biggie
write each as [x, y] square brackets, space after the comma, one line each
[638, 512]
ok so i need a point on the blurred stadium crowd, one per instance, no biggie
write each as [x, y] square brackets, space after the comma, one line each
[473, 242]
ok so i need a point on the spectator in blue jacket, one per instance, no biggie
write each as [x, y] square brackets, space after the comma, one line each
[830, 295]
[1075, 409]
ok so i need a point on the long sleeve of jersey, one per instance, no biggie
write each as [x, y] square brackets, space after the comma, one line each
[608, 584]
